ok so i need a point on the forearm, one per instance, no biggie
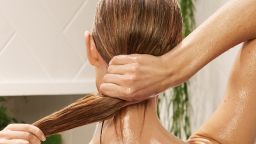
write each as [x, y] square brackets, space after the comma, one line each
[232, 24]
[136, 77]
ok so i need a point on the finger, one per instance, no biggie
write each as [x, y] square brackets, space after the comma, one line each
[119, 69]
[117, 79]
[123, 59]
[21, 135]
[114, 90]
[27, 128]
[14, 141]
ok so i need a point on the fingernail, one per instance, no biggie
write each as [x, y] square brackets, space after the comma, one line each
[44, 138]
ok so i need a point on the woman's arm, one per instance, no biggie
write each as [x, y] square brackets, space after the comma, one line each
[234, 122]
[135, 77]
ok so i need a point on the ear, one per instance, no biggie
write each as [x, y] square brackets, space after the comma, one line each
[92, 53]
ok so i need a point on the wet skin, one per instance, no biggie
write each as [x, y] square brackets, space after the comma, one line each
[234, 120]
[232, 123]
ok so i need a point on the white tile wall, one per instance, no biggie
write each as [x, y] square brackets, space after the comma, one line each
[42, 47]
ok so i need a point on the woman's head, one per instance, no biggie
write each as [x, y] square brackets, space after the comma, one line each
[133, 27]
[121, 27]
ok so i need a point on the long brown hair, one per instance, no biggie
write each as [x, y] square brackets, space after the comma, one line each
[121, 27]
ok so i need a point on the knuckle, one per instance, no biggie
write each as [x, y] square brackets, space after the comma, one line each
[28, 127]
[140, 58]
[137, 58]
[133, 78]
[130, 80]
[10, 125]
[129, 92]
[135, 67]
[114, 59]
[29, 137]
[37, 130]
[126, 79]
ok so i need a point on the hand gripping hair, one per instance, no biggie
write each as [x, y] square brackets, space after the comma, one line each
[151, 27]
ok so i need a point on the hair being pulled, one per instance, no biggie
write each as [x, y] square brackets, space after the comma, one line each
[121, 27]
[89, 109]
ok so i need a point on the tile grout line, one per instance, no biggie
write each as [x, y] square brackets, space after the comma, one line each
[74, 16]
[13, 35]
[44, 70]
[65, 28]
[36, 59]
[8, 43]
[80, 71]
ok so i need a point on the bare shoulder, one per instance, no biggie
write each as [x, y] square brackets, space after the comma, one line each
[234, 120]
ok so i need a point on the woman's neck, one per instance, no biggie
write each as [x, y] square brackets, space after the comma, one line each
[134, 124]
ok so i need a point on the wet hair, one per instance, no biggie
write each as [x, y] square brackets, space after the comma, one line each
[151, 27]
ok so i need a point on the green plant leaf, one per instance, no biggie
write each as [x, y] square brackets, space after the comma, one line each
[178, 105]
[53, 139]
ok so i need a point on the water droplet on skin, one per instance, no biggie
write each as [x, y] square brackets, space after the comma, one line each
[238, 113]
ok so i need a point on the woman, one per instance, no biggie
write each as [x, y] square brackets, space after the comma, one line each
[125, 20]
[135, 27]
[234, 120]
[128, 27]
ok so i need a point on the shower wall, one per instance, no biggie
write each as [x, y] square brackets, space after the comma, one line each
[42, 48]
[42, 52]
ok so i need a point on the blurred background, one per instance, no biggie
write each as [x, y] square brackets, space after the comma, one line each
[43, 64]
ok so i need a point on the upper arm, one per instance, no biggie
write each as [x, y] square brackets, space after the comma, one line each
[234, 122]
